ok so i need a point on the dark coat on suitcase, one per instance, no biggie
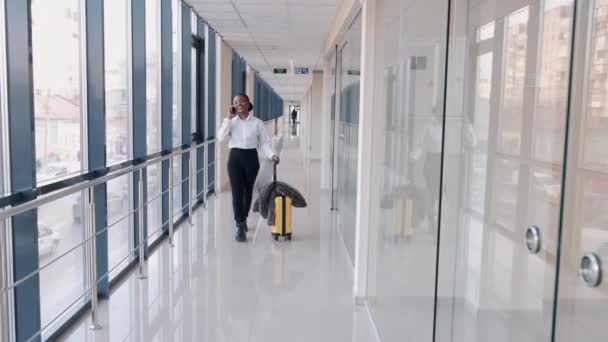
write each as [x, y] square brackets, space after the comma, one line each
[264, 204]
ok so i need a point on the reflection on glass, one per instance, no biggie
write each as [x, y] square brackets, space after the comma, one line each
[56, 58]
[480, 126]
[549, 116]
[515, 52]
[506, 183]
[120, 221]
[593, 216]
[116, 80]
[596, 114]
[408, 107]
[544, 196]
[61, 283]
[153, 135]
[486, 31]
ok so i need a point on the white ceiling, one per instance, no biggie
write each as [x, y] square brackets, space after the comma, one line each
[272, 33]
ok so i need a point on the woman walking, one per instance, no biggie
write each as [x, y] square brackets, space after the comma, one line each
[246, 134]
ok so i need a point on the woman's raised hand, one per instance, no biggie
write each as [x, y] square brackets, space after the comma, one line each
[231, 113]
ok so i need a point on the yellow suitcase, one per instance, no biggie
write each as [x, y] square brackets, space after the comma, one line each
[282, 219]
[404, 217]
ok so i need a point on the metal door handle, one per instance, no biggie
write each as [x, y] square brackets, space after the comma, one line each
[533, 239]
[590, 270]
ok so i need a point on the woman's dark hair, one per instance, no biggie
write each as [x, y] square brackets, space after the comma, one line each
[248, 100]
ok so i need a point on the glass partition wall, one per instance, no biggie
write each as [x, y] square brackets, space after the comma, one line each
[408, 102]
[347, 133]
[507, 128]
[582, 296]
[490, 178]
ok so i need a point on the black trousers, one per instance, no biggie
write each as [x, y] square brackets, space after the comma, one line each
[243, 167]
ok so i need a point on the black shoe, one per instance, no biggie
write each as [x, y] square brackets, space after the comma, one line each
[243, 225]
[241, 236]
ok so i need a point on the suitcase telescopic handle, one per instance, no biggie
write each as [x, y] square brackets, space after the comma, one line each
[274, 172]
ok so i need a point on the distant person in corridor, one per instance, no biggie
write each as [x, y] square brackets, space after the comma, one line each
[246, 134]
[294, 116]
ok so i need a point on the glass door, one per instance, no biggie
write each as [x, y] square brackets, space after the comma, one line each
[582, 303]
[507, 93]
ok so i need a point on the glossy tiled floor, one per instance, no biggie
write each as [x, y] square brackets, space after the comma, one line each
[210, 288]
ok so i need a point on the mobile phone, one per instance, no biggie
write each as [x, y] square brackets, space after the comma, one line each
[233, 110]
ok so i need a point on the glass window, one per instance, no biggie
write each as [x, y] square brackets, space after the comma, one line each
[210, 85]
[194, 157]
[211, 167]
[177, 186]
[153, 119]
[194, 112]
[56, 56]
[117, 80]
[194, 24]
[194, 94]
[118, 129]
[120, 236]
[177, 105]
[154, 200]
[177, 71]
[63, 281]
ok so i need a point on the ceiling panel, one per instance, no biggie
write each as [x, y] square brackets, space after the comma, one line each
[273, 33]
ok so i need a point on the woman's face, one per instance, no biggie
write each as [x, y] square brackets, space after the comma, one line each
[241, 104]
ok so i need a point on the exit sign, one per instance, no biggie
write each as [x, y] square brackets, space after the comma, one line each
[300, 71]
[280, 70]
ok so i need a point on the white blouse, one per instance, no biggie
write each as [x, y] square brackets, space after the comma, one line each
[246, 134]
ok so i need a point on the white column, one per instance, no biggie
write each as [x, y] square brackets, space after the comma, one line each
[366, 148]
[326, 125]
[224, 92]
[316, 116]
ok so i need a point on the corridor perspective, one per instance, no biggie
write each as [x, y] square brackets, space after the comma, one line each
[452, 156]
[217, 290]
